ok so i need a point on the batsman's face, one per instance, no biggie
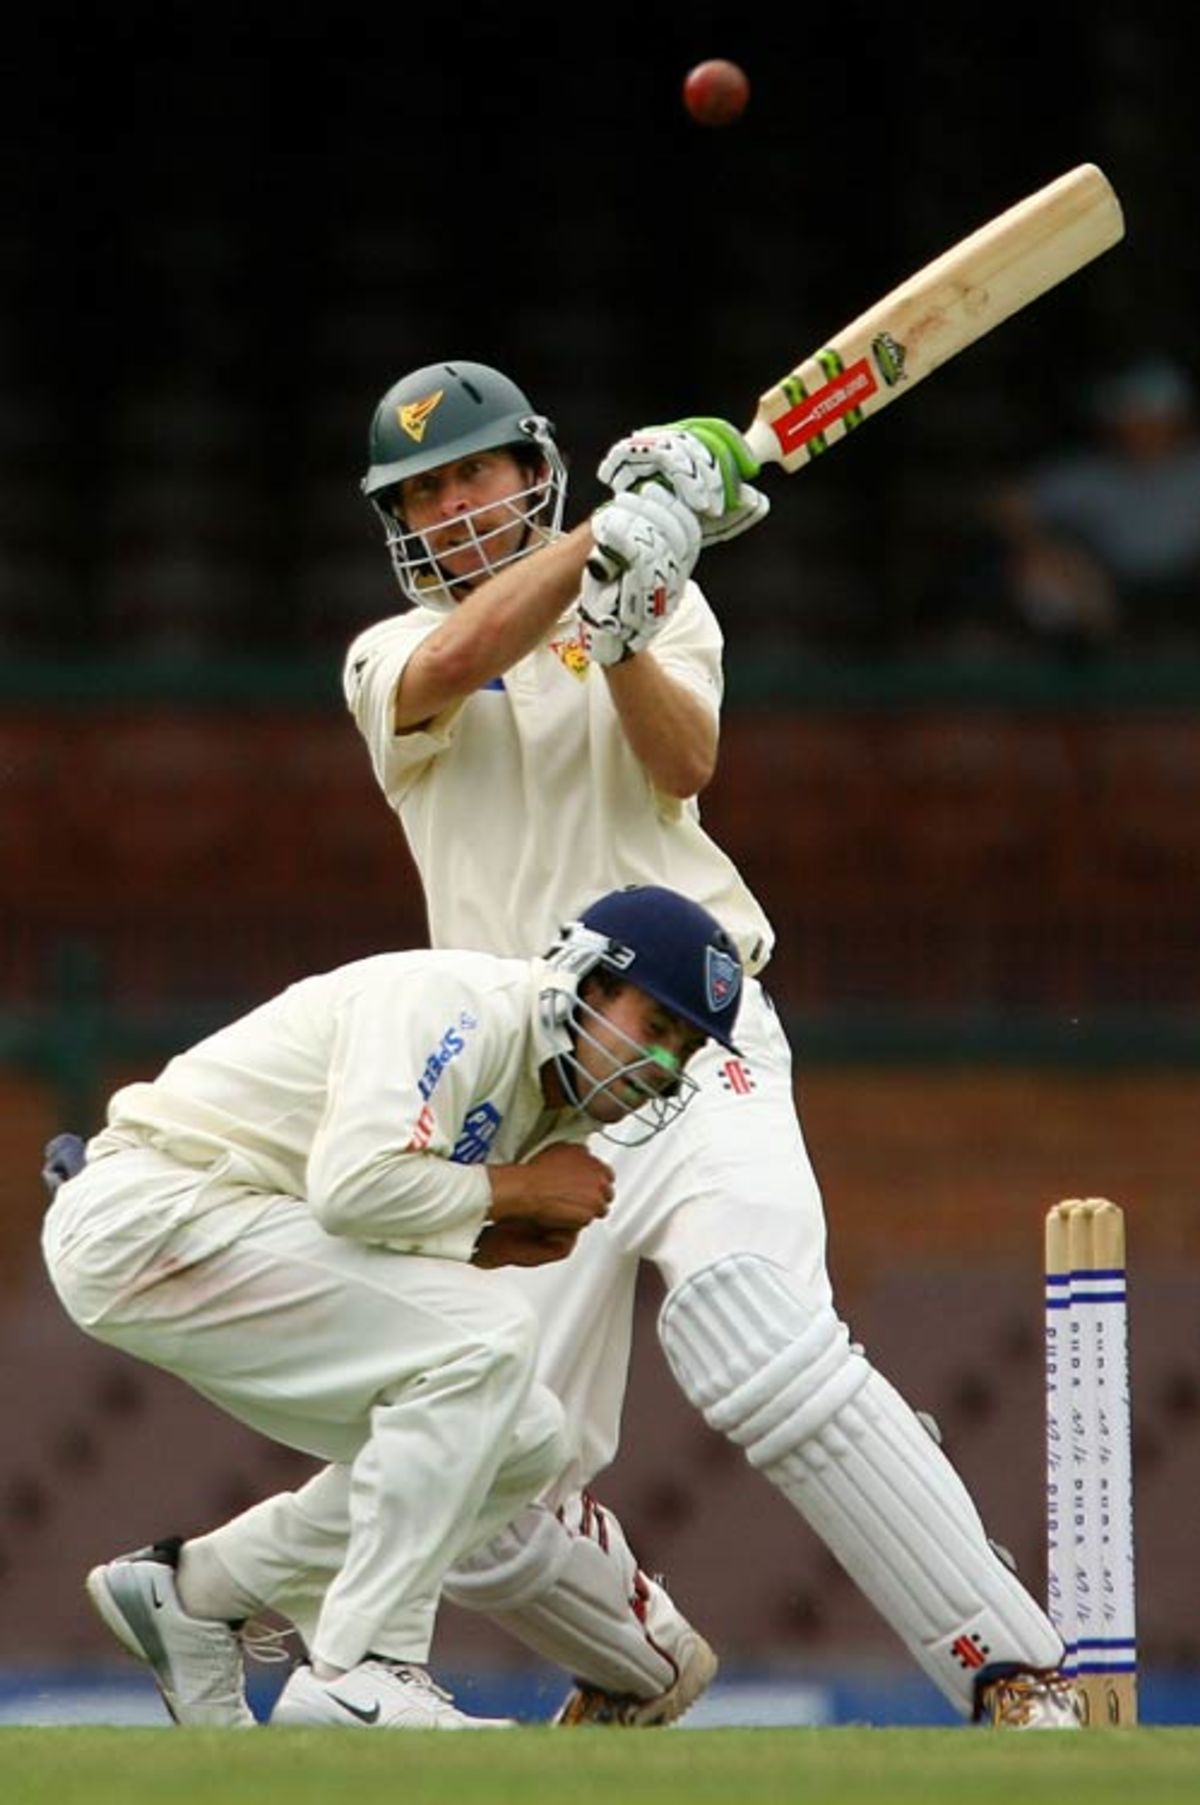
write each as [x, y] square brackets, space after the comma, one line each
[470, 514]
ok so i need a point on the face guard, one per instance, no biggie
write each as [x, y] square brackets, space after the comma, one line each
[537, 510]
[641, 1079]
[436, 416]
[645, 1080]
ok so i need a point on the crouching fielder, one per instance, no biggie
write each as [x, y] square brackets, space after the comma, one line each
[294, 1217]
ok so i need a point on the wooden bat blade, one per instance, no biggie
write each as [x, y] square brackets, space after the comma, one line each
[939, 311]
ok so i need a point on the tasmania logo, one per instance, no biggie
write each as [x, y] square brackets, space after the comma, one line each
[414, 415]
[737, 1077]
[572, 655]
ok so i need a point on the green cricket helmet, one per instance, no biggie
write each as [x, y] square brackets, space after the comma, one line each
[435, 416]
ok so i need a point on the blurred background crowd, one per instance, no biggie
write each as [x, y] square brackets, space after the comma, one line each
[962, 750]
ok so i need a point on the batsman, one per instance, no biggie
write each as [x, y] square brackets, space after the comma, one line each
[543, 720]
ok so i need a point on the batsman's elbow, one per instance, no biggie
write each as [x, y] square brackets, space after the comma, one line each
[685, 775]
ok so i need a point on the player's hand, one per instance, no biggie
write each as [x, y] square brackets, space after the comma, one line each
[514, 1243]
[560, 1190]
[744, 505]
[647, 543]
[704, 461]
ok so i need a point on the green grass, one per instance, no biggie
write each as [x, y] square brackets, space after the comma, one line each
[542, 1766]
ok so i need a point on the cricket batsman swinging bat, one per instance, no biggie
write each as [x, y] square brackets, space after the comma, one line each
[945, 307]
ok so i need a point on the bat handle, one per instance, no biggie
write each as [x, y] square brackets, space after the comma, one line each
[603, 566]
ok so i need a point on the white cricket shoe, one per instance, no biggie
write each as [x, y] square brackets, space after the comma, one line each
[1030, 1701]
[673, 1636]
[375, 1695]
[197, 1664]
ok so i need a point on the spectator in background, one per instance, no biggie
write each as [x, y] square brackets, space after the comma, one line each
[1098, 546]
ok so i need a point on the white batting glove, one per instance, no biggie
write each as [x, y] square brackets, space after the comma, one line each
[647, 543]
[704, 461]
[666, 455]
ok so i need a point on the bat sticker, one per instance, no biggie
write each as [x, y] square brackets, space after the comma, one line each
[889, 357]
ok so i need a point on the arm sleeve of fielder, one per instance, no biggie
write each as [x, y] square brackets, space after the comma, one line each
[779, 1376]
[382, 1166]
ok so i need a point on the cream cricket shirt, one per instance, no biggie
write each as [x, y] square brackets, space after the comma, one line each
[524, 803]
[375, 1092]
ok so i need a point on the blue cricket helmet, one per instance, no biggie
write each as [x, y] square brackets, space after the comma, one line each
[672, 948]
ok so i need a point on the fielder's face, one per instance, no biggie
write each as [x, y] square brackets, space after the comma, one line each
[630, 1051]
[470, 514]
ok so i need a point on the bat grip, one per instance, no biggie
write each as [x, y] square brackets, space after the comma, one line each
[603, 566]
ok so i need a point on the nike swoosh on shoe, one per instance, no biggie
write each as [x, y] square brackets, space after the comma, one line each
[365, 1717]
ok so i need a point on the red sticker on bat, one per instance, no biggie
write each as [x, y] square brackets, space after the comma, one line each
[820, 410]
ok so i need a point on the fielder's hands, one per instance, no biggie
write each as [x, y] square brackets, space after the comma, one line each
[539, 1208]
[647, 543]
[704, 461]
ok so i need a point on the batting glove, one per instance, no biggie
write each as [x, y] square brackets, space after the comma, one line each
[647, 543]
[704, 461]
[744, 505]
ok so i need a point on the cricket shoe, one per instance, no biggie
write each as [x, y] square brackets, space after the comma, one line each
[376, 1695]
[1028, 1700]
[694, 1662]
[197, 1664]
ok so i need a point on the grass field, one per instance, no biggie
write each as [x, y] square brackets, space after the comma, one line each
[89, 1766]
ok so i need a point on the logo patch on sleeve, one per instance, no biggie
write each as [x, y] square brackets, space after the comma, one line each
[479, 1130]
[737, 1077]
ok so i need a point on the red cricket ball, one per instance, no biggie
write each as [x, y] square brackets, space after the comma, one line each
[715, 92]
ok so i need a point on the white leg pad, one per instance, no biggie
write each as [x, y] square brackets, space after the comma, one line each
[567, 1585]
[779, 1376]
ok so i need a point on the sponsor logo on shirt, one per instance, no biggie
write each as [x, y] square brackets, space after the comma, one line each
[422, 1134]
[452, 1043]
[737, 1077]
[479, 1130]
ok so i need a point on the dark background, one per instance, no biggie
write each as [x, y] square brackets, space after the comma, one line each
[229, 228]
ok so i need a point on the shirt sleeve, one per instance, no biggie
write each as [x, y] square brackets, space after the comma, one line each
[410, 1064]
[371, 675]
[690, 648]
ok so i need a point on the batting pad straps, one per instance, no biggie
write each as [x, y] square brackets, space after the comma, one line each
[764, 1368]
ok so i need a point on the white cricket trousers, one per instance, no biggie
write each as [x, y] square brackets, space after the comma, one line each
[413, 1374]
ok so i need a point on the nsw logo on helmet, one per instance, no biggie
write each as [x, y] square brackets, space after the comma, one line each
[414, 415]
[722, 978]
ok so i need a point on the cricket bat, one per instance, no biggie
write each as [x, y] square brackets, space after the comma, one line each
[946, 306]
[938, 312]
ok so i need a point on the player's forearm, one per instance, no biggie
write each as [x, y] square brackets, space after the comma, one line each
[498, 624]
[413, 1202]
[668, 728]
